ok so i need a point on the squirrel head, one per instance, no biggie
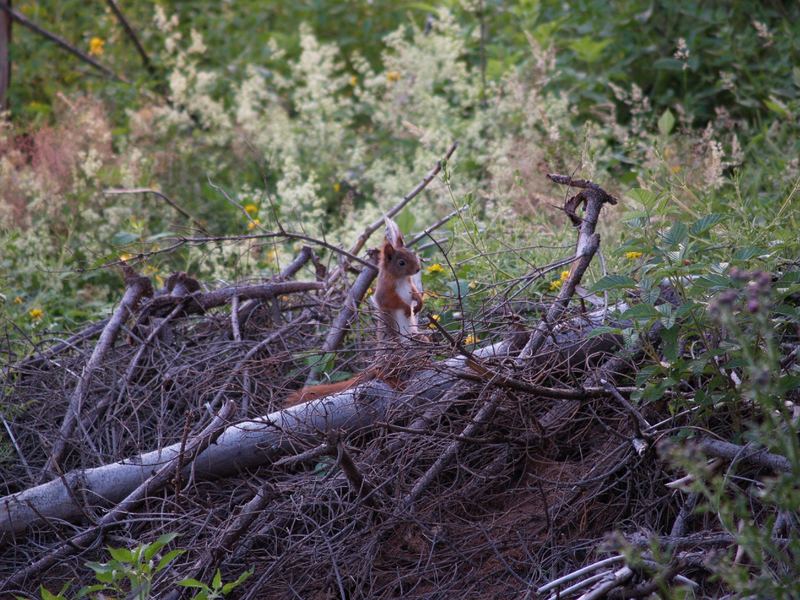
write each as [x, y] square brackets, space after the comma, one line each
[398, 261]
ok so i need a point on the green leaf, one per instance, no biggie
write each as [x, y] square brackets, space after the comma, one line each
[668, 64]
[122, 238]
[192, 583]
[168, 558]
[669, 339]
[676, 234]
[122, 555]
[91, 589]
[216, 583]
[749, 252]
[777, 106]
[588, 48]
[603, 330]
[641, 311]
[666, 122]
[613, 282]
[152, 548]
[705, 223]
[229, 587]
[645, 197]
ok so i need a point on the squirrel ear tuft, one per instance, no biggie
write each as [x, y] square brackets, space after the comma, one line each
[388, 249]
[393, 233]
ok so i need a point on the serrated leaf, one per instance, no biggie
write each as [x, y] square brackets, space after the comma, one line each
[613, 282]
[666, 122]
[641, 311]
[676, 234]
[748, 252]
[645, 197]
[705, 223]
[604, 330]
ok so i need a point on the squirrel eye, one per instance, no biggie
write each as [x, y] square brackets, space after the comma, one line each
[401, 262]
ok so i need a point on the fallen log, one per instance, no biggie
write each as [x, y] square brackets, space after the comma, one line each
[243, 445]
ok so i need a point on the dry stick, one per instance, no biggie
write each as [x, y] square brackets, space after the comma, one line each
[481, 418]
[378, 223]
[253, 351]
[618, 577]
[151, 485]
[356, 293]
[582, 571]
[758, 457]
[252, 509]
[34, 361]
[164, 197]
[129, 372]
[25, 22]
[587, 244]
[682, 520]
[203, 302]
[339, 327]
[13, 439]
[136, 288]
[131, 34]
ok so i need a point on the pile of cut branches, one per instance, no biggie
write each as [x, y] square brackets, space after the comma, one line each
[496, 472]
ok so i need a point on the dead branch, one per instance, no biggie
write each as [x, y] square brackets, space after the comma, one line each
[136, 288]
[149, 486]
[131, 34]
[25, 22]
[242, 445]
[759, 457]
[588, 242]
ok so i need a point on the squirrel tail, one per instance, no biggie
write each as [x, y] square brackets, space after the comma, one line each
[313, 392]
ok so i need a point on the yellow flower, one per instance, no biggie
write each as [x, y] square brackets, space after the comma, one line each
[337, 187]
[36, 313]
[556, 284]
[96, 46]
[435, 268]
[633, 255]
[564, 275]
[250, 209]
[471, 339]
[433, 319]
[472, 285]
[159, 280]
[18, 300]
[253, 224]
[370, 291]
[125, 257]
[353, 80]
[393, 76]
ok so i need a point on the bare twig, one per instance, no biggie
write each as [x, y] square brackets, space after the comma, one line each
[131, 34]
[163, 196]
[151, 485]
[136, 288]
[25, 22]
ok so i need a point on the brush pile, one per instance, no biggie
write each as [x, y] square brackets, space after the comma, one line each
[520, 469]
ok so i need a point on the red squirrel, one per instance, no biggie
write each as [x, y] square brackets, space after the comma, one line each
[397, 300]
